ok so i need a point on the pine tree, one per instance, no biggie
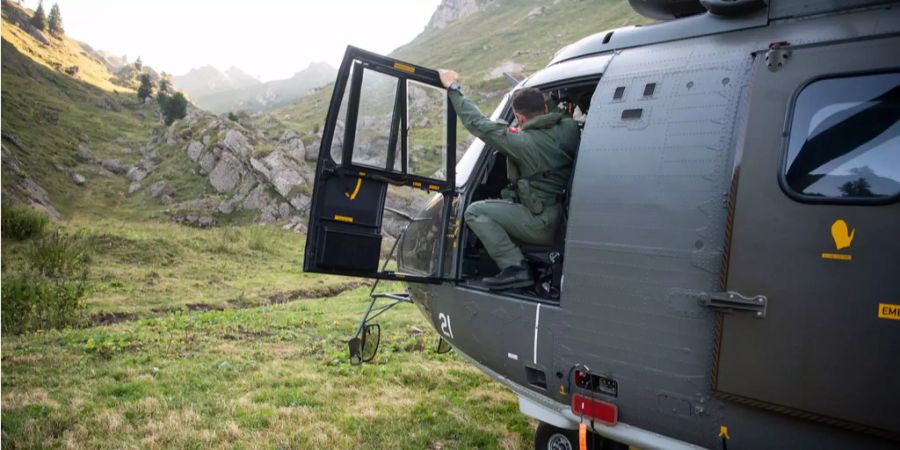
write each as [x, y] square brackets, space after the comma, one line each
[146, 88]
[164, 83]
[55, 19]
[39, 19]
[175, 108]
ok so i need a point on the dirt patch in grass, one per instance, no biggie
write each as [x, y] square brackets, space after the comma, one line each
[203, 307]
[110, 318]
[314, 292]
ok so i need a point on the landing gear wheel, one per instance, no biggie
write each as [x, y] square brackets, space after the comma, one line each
[549, 437]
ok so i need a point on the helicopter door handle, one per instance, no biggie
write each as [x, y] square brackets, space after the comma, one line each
[730, 301]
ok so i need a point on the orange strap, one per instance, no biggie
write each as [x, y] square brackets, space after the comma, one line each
[582, 436]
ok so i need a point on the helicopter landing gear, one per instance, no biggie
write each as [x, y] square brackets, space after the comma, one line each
[549, 437]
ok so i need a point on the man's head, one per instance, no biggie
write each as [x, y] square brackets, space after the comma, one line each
[528, 103]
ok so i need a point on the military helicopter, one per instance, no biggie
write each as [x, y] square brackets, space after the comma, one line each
[728, 270]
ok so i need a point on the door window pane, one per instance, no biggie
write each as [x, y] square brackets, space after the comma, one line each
[427, 116]
[375, 118]
[337, 141]
[845, 138]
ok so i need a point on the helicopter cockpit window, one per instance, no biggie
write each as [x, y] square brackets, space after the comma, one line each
[844, 140]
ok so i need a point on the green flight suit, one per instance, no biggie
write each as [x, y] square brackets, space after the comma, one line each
[543, 152]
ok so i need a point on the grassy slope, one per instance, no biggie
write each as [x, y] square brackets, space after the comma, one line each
[271, 377]
[35, 90]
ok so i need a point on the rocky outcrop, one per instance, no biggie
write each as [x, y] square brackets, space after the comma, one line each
[282, 172]
[226, 175]
[291, 144]
[450, 11]
[114, 165]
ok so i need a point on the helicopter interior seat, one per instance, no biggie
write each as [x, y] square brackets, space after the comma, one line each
[546, 261]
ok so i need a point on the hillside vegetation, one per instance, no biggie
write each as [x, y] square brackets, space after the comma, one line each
[517, 37]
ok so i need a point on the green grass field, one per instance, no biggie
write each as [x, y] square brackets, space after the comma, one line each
[215, 338]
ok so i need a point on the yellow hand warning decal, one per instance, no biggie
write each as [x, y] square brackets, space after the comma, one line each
[355, 191]
[842, 238]
[888, 311]
[723, 432]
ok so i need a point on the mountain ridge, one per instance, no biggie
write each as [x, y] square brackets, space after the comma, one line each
[233, 89]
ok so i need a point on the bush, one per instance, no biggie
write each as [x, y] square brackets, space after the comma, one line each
[58, 256]
[31, 302]
[48, 293]
[22, 222]
[175, 108]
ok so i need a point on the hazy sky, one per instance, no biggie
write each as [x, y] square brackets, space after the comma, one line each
[270, 39]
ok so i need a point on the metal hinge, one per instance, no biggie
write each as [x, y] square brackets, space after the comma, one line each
[731, 301]
[778, 55]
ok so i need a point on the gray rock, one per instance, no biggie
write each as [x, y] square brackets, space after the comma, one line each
[194, 149]
[105, 102]
[236, 142]
[258, 166]
[59, 167]
[84, 153]
[147, 165]
[171, 142]
[294, 148]
[79, 179]
[300, 202]
[126, 150]
[205, 221]
[158, 189]
[136, 174]
[39, 35]
[268, 214]
[38, 197]
[225, 207]
[311, 153]
[227, 173]
[284, 210]
[539, 11]
[257, 198]
[153, 157]
[114, 165]
[288, 135]
[166, 199]
[283, 173]
[205, 140]
[207, 162]
[247, 185]
[134, 187]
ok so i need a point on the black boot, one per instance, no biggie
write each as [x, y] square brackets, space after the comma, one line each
[511, 277]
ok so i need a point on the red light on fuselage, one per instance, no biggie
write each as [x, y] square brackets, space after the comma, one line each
[603, 412]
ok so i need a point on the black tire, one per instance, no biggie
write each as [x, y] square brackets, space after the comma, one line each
[549, 437]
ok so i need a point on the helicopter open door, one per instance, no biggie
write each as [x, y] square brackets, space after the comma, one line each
[389, 125]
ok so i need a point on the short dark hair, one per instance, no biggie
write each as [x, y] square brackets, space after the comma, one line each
[529, 102]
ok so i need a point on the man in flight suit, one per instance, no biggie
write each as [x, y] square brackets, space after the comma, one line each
[542, 149]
